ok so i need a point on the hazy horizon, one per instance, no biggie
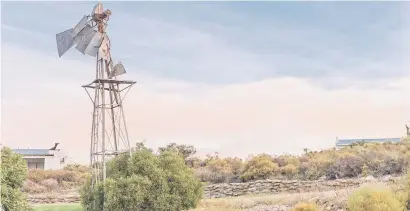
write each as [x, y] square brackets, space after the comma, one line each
[236, 78]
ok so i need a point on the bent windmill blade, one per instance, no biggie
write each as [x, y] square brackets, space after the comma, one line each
[84, 35]
[89, 38]
[64, 41]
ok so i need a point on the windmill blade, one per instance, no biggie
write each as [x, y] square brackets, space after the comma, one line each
[82, 35]
[84, 38]
[80, 25]
[94, 45]
[64, 41]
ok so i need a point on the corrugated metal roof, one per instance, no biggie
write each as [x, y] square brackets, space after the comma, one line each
[32, 151]
[342, 142]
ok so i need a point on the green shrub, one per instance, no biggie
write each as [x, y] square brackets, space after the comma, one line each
[186, 151]
[374, 198]
[305, 207]
[145, 182]
[13, 174]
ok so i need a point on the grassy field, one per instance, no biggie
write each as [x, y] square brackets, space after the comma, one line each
[58, 207]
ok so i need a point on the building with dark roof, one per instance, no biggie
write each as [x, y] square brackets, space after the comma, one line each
[340, 143]
[44, 159]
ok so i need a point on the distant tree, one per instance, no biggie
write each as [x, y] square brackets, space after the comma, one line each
[185, 150]
[306, 150]
[13, 174]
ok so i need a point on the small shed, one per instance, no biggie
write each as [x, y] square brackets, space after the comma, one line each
[44, 159]
[340, 143]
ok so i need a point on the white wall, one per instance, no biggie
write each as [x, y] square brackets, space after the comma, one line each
[52, 162]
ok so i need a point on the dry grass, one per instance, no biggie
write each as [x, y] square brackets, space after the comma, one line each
[337, 197]
[246, 202]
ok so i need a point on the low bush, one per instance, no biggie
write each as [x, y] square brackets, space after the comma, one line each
[260, 167]
[64, 175]
[32, 187]
[59, 175]
[40, 181]
[50, 184]
[346, 166]
[374, 198]
[77, 168]
[36, 175]
[205, 174]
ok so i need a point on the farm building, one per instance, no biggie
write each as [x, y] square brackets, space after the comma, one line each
[340, 143]
[44, 159]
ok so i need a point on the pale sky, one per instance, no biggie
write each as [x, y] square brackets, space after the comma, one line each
[238, 78]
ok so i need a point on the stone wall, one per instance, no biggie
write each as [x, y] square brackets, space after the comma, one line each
[239, 189]
[54, 198]
[285, 186]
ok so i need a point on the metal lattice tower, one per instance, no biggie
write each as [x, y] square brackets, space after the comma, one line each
[109, 135]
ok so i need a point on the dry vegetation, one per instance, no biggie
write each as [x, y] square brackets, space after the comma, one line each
[71, 177]
[358, 160]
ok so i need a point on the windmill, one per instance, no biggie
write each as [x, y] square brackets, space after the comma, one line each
[109, 135]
